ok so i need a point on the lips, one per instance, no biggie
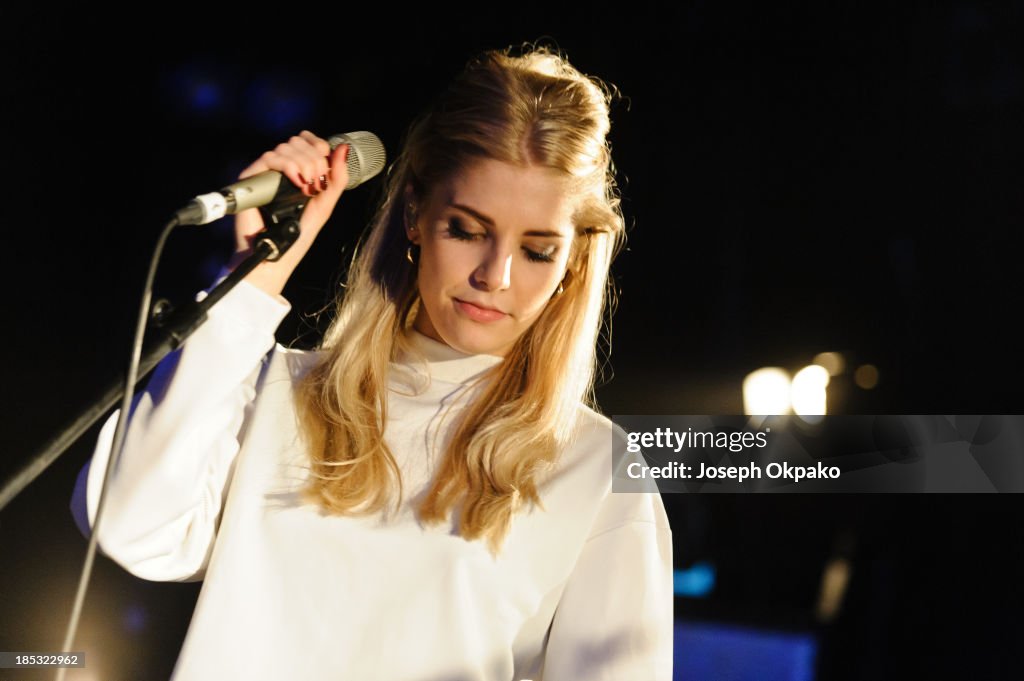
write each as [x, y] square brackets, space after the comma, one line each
[478, 312]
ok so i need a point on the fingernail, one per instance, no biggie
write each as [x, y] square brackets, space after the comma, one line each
[323, 182]
[344, 154]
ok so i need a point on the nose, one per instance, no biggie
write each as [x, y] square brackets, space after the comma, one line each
[495, 272]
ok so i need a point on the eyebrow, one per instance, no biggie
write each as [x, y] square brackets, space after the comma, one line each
[490, 222]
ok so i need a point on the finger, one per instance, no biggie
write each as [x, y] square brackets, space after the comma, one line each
[338, 169]
[302, 159]
[298, 163]
[311, 153]
[320, 146]
[335, 177]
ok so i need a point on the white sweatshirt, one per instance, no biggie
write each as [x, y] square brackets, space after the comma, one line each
[206, 489]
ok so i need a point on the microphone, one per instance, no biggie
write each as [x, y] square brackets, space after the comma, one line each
[365, 159]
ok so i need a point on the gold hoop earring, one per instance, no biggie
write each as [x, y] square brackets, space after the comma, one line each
[561, 287]
[408, 255]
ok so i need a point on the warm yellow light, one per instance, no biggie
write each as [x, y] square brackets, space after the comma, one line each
[766, 392]
[866, 376]
[833, 362]
[88, 673]
[808, 393]
[833, 589]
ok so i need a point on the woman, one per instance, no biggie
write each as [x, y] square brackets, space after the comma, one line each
[427, 497]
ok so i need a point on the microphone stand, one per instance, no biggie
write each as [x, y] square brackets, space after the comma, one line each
[282, 220]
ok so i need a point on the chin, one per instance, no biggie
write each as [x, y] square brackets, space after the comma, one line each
[476, 341]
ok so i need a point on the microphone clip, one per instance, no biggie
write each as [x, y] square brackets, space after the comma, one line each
[282, 227]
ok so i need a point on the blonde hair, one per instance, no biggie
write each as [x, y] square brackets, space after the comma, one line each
[533, 108]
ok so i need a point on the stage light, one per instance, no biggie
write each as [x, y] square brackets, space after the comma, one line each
[833, 588]
[866, 376]
[697, 581]
[197, 90]
[766, 392]
[808, 394]
[832, 362]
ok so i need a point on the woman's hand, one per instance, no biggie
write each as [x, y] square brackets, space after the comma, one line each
[308, 162]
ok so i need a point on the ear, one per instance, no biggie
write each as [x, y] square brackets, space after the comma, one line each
[411, 214]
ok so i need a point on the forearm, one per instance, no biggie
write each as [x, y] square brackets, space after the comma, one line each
[165, 495]
[271, 277]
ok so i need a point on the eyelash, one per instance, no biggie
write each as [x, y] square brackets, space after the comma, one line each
[457, 232]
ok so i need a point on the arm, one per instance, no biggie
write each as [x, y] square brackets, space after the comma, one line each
[614, 620]
[164, 498]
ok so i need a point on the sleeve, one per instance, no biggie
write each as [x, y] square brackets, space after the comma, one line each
[614, 621]
[165, 494]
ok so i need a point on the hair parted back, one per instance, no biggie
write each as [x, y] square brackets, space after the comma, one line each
[528, 109]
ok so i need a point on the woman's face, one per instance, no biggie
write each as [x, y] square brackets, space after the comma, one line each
[494, 244]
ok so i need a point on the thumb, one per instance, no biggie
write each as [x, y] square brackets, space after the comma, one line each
[339, 169]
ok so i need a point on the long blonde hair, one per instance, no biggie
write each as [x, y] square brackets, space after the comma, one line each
[528, 109]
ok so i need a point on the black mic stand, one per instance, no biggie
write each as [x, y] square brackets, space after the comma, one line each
[282, 229]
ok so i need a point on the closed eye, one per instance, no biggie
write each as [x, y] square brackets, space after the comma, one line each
[547, 255]
[457, 231]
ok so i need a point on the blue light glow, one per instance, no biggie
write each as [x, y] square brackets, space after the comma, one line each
[716, 651]
[695, 582]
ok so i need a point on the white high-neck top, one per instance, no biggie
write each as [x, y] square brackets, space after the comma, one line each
[207, 489]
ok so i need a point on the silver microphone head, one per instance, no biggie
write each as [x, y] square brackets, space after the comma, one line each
[366, 155]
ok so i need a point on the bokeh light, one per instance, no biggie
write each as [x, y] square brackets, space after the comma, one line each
[766, 392]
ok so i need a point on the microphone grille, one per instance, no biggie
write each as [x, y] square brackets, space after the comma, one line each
[366, 156]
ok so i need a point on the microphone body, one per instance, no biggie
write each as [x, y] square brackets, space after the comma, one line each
[365, 159]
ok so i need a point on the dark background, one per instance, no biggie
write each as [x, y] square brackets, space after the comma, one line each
[795, 179]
